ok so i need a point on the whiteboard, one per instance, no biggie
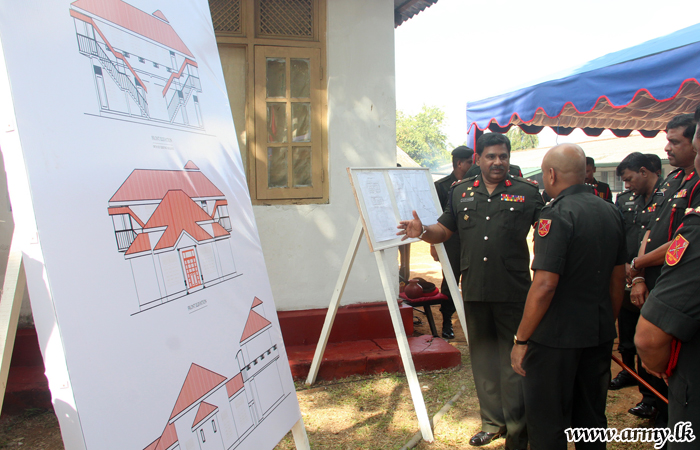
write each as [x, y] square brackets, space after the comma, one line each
[386, 196]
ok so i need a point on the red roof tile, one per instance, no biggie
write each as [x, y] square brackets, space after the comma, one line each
[199, 381]
[131, 18]
[142, 243]
[255, 323]
[234, 385]
[256, 302]
[204, 410]
[191, 166]
[154, 184]
[178, 213]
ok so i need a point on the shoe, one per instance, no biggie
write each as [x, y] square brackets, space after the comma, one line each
[622, 380]
[483, 438]
[447, 331]
[643, 410]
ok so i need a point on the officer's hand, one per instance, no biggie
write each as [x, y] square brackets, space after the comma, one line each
[639, 294]
[433, 253]
[661, 375]
[628, 273]
[516, 358]
[410, 228]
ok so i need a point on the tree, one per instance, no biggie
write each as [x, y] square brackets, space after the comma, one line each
[520, 140]
[421, 136]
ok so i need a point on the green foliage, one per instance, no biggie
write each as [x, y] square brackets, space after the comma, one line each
[520, 140]
[421, 136]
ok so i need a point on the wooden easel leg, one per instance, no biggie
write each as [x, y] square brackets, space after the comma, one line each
[301, 440]
[454, 289]
[335, 302]
[10, 304]
[405, 351]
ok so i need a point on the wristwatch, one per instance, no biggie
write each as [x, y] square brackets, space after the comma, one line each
[517, 342]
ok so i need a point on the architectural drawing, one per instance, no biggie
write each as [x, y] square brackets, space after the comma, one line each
[140, 66]
[213, 412]
[173, 227]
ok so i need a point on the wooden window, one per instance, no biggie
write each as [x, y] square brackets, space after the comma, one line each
[273, 56]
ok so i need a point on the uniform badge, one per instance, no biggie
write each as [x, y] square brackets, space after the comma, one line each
[476, 183]
[464, 194]
[652, 208]
[680, 194]
[512, 198]
[508, 183]
[543, 227]
[676, 250]
[471, 194]
[466, 217]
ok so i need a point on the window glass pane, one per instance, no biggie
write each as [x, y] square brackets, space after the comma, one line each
[301, 160]
[277, 167]
[276, 77]
[301, 122]
[301, 78]
[276, 122]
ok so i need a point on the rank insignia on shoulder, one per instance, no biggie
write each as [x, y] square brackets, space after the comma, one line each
[680, 194]
[512, 198]
[689, 210]
[476, 183]
[508, 183]
[676, 250]
[543, 227]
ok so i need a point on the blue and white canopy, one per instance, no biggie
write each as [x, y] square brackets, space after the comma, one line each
[639, 88]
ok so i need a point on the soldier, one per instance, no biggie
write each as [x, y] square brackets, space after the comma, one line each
[462, 160]
[680, 191]
[602, 190]
[493, 213]
[637, 207]
[667, 337]
[568, 326]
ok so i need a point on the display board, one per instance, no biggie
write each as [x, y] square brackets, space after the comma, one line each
[144, 266]
[386, 196]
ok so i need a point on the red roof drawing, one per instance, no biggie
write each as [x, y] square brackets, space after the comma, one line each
[179, 213]
[199, 381]
[131, 18]
[234, 385]
[154, 184]
[204, 410]
[168, 438]
[127, 210]
[159, 14]
[216, 206]
[256, 302]
[142, 243]
[255, 323]
[190, 165]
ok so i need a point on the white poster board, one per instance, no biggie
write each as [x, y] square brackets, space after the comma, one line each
[145, 270]
[386, 196]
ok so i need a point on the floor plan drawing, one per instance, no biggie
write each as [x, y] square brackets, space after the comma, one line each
[140, 66]
[174, 228]
[213, 412]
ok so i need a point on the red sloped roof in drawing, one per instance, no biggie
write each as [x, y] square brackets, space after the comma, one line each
[219, 230]
[256, 302]
[168, 438]
[204, 410]
[178, 213]
[191, 166]
[131, 18]
[154, 184]
[234, 385]
[142, 243]
[216, 205]
[199, 381]
[127, 210]
[161, 15]
[255, 323]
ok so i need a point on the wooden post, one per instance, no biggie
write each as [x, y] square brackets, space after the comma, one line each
[301, 440]
[454, 289]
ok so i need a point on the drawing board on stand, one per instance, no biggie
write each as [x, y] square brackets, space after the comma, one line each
[145, 271]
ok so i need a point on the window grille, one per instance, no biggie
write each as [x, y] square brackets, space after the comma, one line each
[226, 15]
[291, 18]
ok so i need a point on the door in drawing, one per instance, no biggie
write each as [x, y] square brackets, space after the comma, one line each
[192, 276]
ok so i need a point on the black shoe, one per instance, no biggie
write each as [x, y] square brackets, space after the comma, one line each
[483, 438]
[622, 380]
[643, 410]
[447, 331]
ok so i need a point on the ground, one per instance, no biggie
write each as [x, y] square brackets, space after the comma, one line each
[367, 412]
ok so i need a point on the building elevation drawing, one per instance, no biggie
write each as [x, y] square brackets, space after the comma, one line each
[140, 67]
[173, 227]
[213, 412]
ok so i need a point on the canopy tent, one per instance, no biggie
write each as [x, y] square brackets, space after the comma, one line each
[639, 88]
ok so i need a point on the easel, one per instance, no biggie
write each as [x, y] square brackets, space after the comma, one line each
[364, 226]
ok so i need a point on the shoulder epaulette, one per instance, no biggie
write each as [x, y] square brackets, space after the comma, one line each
[465, 180]
[692, 211]
[526, 181]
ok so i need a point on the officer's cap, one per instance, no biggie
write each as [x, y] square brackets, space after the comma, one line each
[462, 152]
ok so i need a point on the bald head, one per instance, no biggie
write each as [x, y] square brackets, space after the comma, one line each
[564, 165]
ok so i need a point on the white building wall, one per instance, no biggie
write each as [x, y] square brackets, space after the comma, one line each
[305, 246]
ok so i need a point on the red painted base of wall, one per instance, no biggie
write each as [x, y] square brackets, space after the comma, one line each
[362, 342]
[27, 386]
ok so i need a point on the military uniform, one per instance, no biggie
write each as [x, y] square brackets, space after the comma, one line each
[602, 190]
[674, 306]
[581, 238]
[637, 214]
[495, 261]
[443, 186]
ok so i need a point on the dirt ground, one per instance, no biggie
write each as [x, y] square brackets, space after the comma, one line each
[369, 413]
